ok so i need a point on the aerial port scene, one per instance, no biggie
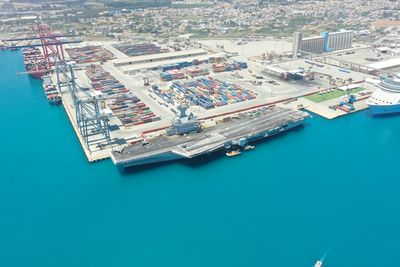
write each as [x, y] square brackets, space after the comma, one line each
[199, 133]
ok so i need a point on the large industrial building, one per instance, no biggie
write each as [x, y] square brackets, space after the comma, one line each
[336, 41]
[313, 44]
[326, 42]
[159, 57]
[136, 64]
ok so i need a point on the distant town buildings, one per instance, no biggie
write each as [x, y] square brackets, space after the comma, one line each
[211, 18]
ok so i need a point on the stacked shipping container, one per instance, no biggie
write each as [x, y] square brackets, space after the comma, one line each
[196, 71]
[125, 105]
[88, 54]
[221, 67]
[172, 75]
[140, 49]
[131, 111]
[205, 92]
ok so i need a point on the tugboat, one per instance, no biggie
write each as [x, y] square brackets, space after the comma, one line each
[233, 153]
[318, 263]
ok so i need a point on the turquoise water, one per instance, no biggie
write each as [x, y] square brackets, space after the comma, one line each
[328, 188]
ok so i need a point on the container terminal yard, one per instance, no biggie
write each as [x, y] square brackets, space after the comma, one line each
[122, 95]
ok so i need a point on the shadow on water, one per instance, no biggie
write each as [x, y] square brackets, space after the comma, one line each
[383, 116]
[193, 163]
[202, 160]
[142, 168]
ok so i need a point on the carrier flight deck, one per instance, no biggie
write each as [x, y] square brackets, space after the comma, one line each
[237, 132]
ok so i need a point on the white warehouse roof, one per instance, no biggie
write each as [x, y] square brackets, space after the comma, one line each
[159, 57]
[127, 69]
[385, 64]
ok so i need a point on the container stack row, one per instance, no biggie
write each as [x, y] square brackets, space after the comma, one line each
[172, 75]
[216, 59]
[221, 67]
[131, 111]
[177, 66]
[140, 49]
[125, 105]
[196, 71]
[192, 69]
[205, 92]
[89, 54]
[168, 95]
[103, 81]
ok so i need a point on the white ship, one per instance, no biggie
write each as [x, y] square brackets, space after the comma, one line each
[386, 98]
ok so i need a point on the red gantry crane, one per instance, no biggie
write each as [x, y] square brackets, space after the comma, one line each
[52, 47]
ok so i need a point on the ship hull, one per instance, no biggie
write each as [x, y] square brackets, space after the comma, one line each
[377, 110]
[36, 75]
[152, 159]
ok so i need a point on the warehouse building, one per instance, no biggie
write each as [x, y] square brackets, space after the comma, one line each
[153, 58]
[298, 37]
[385, 64]
[325, 43]
[337, 41]
[132, 69]
[313, 45]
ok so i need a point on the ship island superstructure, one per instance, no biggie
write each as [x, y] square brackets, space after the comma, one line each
[238, 131]
[184, 123]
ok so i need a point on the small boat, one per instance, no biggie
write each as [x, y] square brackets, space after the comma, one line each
[248, 147]
[233, 153]
[318, 264]
[54, 99]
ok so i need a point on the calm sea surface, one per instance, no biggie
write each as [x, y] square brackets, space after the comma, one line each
[331, 187]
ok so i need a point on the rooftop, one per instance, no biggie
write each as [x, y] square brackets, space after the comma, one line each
[151, 65]
[389, 63]
[160, 56]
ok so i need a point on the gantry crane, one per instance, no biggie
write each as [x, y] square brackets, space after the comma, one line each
[91, 118]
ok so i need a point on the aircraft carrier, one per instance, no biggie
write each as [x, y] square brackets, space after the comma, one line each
[238, 131]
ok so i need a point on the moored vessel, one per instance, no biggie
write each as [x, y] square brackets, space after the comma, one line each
[53, 97]
[231, 135]
[386, 97]
[34, 62]
[233, 153]
[249, 147]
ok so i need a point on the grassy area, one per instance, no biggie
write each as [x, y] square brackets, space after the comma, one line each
[317, 98]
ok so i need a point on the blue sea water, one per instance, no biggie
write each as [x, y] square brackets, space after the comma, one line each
[330, 188]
